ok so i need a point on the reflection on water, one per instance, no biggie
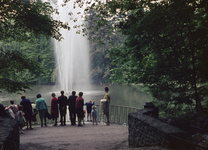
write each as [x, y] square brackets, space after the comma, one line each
[124, 95]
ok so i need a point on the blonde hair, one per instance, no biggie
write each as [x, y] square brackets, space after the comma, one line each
[93, 107]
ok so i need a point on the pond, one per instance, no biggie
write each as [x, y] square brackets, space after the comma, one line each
[121, 94]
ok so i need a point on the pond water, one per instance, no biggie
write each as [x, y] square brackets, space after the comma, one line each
[123, 95]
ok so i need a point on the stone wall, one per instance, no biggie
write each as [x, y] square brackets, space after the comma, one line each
[148, 131]
[9, 134]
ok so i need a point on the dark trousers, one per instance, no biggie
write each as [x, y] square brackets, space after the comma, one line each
[63, 116]
[72, 113]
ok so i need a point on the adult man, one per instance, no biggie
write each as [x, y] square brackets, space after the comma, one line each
[106, 111]
[62, 101]
[72, 111]
[79, 108]
[27, 109]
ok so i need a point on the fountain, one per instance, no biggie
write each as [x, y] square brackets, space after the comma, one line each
[72, 53]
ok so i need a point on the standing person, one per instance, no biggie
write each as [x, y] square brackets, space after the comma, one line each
[54, 108]
[21, 119]
[94, 114]
[83, 116]
[2, 111]
[72, 111]
[27, 109]
[106, 111]
[79, 108]
[14, 108]
[89, 109]
[42, 108]
[34, 112]
[62, 101]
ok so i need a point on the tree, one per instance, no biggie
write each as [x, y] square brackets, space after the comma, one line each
[166, 50]
[39, 50]
[102, 37]
[20, 20]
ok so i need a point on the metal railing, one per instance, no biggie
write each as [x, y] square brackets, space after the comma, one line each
[117, 115]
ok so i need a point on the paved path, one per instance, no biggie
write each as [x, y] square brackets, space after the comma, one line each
[88, 137]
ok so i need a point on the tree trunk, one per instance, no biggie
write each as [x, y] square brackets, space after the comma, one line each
[197, 99]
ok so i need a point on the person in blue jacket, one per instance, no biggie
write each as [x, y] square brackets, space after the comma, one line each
[89, 109]
[27, 109]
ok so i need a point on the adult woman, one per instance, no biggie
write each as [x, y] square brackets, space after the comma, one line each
[54, 108]
[106, 110]
[42, 108]
[79, 108]
[27, 109]
[14, 108]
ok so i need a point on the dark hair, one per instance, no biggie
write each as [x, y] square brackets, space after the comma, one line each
[73, 92]
[12, 102]
[62, 92]
[106, 89]
[80, 94]
[53, 94]
[20, 107]
[38, 96]
[23, 97]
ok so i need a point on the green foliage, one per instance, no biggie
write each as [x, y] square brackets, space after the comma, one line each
[25, 20]
[18, 18]
[101, 40]
[166, 50]
[12, 65]
[38, 51]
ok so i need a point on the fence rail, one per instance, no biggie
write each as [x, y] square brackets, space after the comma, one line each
[117, 114]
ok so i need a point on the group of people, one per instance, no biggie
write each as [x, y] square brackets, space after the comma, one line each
[76, 104]
[25, 112]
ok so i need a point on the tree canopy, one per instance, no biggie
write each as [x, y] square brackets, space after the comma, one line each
[23, 20]
[19, 18]
[166, 49]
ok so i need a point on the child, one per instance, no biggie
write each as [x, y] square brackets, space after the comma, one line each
[21, 119]
[94, 114]
[89, 109]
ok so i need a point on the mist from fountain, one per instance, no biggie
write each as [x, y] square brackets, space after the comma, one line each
[72, 53]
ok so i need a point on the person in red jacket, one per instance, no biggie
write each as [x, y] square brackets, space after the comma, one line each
[54, 108]
[79, 108]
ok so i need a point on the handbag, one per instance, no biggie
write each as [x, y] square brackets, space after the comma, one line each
[48, 115]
